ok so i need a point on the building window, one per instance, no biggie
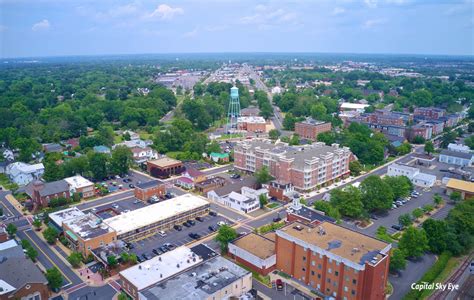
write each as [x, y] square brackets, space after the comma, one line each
[329, 280]
[304, 258]
[329, 270]
[345, 289]
[303, 269]
[353, 292]
[319, 276]
[354, 281]
[336, 273]
[313, 263]
[312, 273]
[319, 266]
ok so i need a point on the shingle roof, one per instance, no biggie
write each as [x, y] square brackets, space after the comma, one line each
[49, 188]
[236, 187]
[18, 271]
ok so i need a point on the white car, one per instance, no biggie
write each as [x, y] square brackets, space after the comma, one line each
[162, 233]
[221, 223]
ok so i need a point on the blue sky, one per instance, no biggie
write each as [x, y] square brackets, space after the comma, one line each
[86, 27]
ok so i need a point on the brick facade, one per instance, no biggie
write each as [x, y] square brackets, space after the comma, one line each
[311, 130]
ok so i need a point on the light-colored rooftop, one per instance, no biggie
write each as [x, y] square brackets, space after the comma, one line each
[8, 244]
[164, 162]
[349, 105]
[78, 182]
[161, 267]
[251, 119]
[148, 215]
[87, 226]
[61, 216]
[460, 185]
[342, 242]
[257, 245]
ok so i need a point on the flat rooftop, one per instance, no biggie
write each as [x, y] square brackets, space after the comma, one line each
[311, 121]
[257, 245]
[342, 242]
[87, 226]
[150, 214]
[64, 215]
[148, 184]
[165, 162]
[161, 267]
[199, 282]
[461, 185]
[310, 214]
[251, 119]
[78, 182]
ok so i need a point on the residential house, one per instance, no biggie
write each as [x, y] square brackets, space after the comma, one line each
[102, 149]
[81, 185]
[22, 173]
[219, 157]
[53, 147]
[141, 155]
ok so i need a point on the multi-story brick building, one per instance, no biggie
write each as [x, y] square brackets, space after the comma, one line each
[334, 261]
[165, 167]
[310, 128]
[252, 124]
[305, 167]
[146, 190]
[432, 113]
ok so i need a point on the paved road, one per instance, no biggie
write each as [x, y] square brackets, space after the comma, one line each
[288, 292]
[48, 258]
[412, 273]
[8, 209]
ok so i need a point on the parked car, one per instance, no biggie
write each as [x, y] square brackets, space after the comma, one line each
[186, 224]
[397, 227]
[221, 223]
[193, 235]
[212, 213]
[178, 227]
[211, 228]
[163, 249]
[394, 206]
[199, 219]
[471, 267]
[131, 185]
[162, 233]
[279, 285]
[170, 246]
[136, 201]
[277, 219]
[235, 176]
[157, 251]
[191, 222]
[374, 217]
[115, 206]
[399, 203]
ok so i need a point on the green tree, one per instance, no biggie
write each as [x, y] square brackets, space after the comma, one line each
[327, 209]
[122, 296]
[75, 259]
[50, 235]
[418, 140]
[37, 224]
[403, 149]
[437, 200]
[318, 111]
[455, 196]
[295, 140]
[401, 186]
[327, 137]
[224, 236]
[112, 261]
[348, 201]
[437, 234]
[289, 122]
[417, 213]
[121, 161]
[469, 141]
[262, 175]
[405, 220]
[413, 242]
[106, 135]
[263, 199]
[355, 167]
[397, 260]
[376, 194]
[133, 259]
[98, 165]
[274, 134]
[429, 147]
[31, 253]
[55, 278]
[52, 171]
[124, 257]
[11, 229]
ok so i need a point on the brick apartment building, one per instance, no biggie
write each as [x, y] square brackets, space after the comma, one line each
[305, 167]
[334, 261]
[310, 128]
[146, 190]
[432, 113]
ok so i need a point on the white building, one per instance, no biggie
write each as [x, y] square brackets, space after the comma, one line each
[22, 173]
[459, 148]
[79, 184]
[347, 106]
[247, 201]
[141, 155]
[456, 158]
[414, 174]
[276, 90]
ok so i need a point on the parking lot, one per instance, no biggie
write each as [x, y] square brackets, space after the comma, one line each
[177, 238]
[122, 183]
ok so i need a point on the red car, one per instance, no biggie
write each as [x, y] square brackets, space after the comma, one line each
[279, 285]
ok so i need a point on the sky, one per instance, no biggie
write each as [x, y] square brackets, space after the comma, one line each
[34, 28]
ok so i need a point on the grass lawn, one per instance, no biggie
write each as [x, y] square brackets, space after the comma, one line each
[273, 205]
[230, 136]
[6, 183]
[270, 227]
[173, 154]
[452, 263]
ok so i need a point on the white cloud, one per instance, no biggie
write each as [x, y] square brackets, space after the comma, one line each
[41, 25]
[166, 12]
[371, 3]
[338, 11]
[266, 17]
[192, 33]
[373, 23]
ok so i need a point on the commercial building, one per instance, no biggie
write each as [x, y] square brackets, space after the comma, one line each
[334, 261]
[88, 232]
[184, 274]
[432, 113]
[160, 216]
[252, 124]
[254, 251]
[20, 278]
[347, 106]
[59, 217]
[310, 128]
[41, 193]
[465, 188]
[146, 190]
[305, 167]
[247, 201]
[210, 184]
[456, 158]
[22, 173]
[164, 167]
[459, 148]
[416, 177]
[78, 184]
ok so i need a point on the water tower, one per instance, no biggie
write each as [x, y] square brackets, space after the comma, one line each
[234, 109]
